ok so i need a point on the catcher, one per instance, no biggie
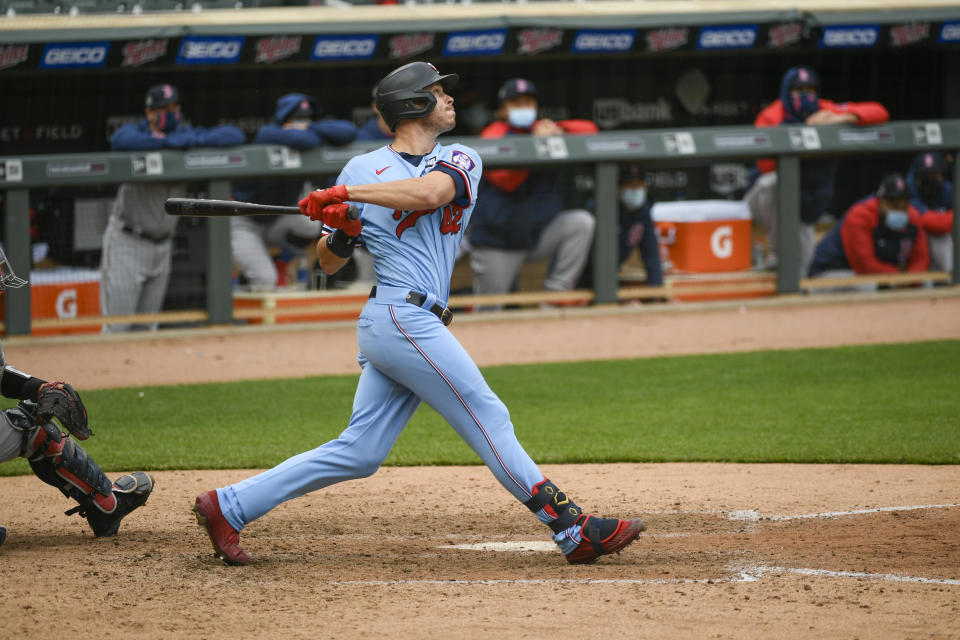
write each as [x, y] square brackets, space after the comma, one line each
[28, 431]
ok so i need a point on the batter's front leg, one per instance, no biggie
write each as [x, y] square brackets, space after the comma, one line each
[381, 409]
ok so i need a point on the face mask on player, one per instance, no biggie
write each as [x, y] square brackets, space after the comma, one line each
[633, 198]
[804, 103]
[522, 117]
[930, 188]
[168, 121]
[897, 219]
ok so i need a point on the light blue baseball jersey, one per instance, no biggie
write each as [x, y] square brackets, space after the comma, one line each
[416, 249]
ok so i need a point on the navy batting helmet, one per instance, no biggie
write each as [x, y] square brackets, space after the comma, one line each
[402, 93]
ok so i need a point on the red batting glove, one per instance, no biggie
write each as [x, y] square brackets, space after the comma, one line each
[337, 217]
[312, 206]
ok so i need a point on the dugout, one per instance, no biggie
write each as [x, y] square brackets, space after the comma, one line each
[68, 81]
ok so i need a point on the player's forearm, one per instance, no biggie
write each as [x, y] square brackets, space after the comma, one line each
[327, 259]
[428, 192]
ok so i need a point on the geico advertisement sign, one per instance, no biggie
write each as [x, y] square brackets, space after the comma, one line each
[603, 41]
[75, 54]
[728, 37]
[476, 43]
[210, 50]
[344, 48]
[850, 36]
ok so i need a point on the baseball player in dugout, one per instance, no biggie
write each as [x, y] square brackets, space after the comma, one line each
[29, 431]
[415, 198]
[138, 241]
[800, 103]
[882, 233]
[520, 215]
[931, 194]
[295, 124]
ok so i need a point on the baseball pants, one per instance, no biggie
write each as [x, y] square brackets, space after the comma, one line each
[250, 241]
[10, 439]
[565, 241]
[406, 355]
[941, 252]
[762, 201]
[134, 273]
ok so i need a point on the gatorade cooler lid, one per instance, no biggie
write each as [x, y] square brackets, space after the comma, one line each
[700, 211]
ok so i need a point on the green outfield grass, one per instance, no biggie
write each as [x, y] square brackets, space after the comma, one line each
[883, 404]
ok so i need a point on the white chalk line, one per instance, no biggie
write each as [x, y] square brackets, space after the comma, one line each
[753, 515]
[887, 577]
[746, 575]
[752, 574]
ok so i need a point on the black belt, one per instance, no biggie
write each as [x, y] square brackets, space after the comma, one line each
[417, 298]
[140, 233]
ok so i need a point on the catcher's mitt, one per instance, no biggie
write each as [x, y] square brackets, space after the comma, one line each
[58, 400]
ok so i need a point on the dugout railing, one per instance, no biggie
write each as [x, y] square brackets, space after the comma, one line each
[604, 151]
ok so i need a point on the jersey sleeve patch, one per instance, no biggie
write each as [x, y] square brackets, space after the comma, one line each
[463, 161]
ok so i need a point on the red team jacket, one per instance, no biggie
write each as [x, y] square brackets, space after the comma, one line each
[773, 115]
[510, 179]
[857, 231]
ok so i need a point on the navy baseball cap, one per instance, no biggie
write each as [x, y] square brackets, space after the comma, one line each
[804, 77]
[893, 187]
[516, 87]
[929, 161]
[161, 95]
[304, 109]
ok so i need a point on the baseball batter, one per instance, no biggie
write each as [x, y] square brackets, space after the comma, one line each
[415, 198]
[28, 431]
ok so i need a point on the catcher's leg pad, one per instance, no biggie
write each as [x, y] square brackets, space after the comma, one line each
[553, 506]
[62, 463]
[3, 535]
[130, 491]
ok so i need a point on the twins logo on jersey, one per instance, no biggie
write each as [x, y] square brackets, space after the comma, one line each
[462, 160]
[449, 220]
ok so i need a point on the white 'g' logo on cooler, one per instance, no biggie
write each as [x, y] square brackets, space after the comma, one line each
[721, 242]
[66, 305]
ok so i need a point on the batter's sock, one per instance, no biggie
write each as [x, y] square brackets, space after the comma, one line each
[553, 508]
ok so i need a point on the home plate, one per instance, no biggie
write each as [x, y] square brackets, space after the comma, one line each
[521, 545]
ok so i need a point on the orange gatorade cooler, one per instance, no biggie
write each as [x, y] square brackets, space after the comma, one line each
[65, 293]
[703, 236]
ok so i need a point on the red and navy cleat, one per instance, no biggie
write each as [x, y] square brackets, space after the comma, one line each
[600, 536]
[225, 539]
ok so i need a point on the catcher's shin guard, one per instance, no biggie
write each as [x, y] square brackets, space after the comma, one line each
[62, 463]
[3, 535]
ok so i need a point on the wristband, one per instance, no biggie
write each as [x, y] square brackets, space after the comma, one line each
[19, 385]
[340, 243]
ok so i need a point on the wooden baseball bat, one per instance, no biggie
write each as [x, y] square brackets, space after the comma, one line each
[230, 208]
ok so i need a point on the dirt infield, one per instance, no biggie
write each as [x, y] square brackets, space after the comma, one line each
[744, 551]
